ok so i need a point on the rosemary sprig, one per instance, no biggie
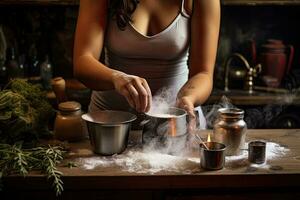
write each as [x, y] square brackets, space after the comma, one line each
[13, 159]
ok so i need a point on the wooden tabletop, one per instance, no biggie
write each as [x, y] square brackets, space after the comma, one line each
[282, 171]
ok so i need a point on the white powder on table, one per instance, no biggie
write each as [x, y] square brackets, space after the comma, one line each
[273, 151]
[137, 161]
[143, 162]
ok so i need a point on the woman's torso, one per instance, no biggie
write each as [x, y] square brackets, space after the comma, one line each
[159, 55]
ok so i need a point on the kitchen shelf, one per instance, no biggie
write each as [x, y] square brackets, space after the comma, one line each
[260, 2]
[257, 98]
[224, 2]
[40, 2]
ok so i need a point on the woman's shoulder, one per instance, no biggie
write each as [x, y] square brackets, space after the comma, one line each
[188, 6]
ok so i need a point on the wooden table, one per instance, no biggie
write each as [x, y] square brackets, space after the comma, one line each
[279, 179]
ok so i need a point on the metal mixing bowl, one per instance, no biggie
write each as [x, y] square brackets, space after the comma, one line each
[108, 130]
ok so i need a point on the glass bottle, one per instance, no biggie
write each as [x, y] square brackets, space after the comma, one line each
[12, 65]
[46, 73]
[33, 64]
[3, 73]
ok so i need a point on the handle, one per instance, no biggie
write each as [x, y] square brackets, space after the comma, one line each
[291, 57]
[144, 122]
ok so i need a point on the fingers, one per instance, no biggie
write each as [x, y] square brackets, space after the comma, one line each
[138, 94]
[187, 105]
[142, 96]
[134, 95]
[146, 86]
[128, 97]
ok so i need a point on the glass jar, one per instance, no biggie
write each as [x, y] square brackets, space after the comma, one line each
[230, 129]
[68, 123]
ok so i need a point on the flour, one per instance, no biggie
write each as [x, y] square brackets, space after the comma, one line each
[143, 162]
[151, 161]
[273, 151]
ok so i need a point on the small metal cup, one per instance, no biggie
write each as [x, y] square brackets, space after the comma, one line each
[212, 158]
[257, 152]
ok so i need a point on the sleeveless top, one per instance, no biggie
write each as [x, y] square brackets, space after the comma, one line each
[161, 59]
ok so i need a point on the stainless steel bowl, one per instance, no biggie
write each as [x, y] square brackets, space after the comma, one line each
[108, 130]
[171, 122]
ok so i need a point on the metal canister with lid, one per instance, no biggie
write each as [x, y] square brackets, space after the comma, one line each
[230, 129]
[68, 123]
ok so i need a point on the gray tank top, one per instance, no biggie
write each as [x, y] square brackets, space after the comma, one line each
[161, 59]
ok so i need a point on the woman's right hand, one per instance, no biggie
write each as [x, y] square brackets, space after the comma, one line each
[135, 89]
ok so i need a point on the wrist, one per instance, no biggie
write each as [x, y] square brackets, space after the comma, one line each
[187, 98]
[115, 76]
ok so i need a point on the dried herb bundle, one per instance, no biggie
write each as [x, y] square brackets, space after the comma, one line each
[15, 160]
[24, 113]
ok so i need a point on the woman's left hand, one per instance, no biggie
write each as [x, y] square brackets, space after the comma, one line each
[187, 104]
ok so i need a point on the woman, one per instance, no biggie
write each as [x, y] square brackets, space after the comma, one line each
[147, 45]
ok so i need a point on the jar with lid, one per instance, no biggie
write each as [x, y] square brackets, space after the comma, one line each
[68, 123]
[230, 129]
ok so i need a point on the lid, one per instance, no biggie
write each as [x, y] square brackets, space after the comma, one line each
[273, 45]
[69, 106]
[231, 113]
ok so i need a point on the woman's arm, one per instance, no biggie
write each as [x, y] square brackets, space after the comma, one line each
[205, 25]
[89, 40]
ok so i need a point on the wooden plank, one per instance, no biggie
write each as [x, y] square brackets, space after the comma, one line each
[260, 2]
[112, 177]
[113, 183]
[224, 2]
[40, 2]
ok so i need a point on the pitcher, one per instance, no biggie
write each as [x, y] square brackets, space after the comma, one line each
[276, 59]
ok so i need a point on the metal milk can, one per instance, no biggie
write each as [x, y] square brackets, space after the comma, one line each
[230, 129]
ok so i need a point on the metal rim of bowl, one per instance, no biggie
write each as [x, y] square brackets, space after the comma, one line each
[88, 117]
[223, 147]
[155, 115]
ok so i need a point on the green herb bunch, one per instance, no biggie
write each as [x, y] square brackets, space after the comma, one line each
[15, 160]
[24, 113]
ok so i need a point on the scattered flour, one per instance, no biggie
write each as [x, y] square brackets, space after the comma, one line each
[273, 151]
[137, 161]
[143, 162]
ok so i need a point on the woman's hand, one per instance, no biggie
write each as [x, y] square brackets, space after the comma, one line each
[187, 104]
[135, 89]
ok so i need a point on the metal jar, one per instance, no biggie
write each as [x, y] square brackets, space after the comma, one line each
[171, 122]
[230, 129]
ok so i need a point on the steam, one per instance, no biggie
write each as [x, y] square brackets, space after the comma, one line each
[163, 100]
[160, 141]
[211, 111]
